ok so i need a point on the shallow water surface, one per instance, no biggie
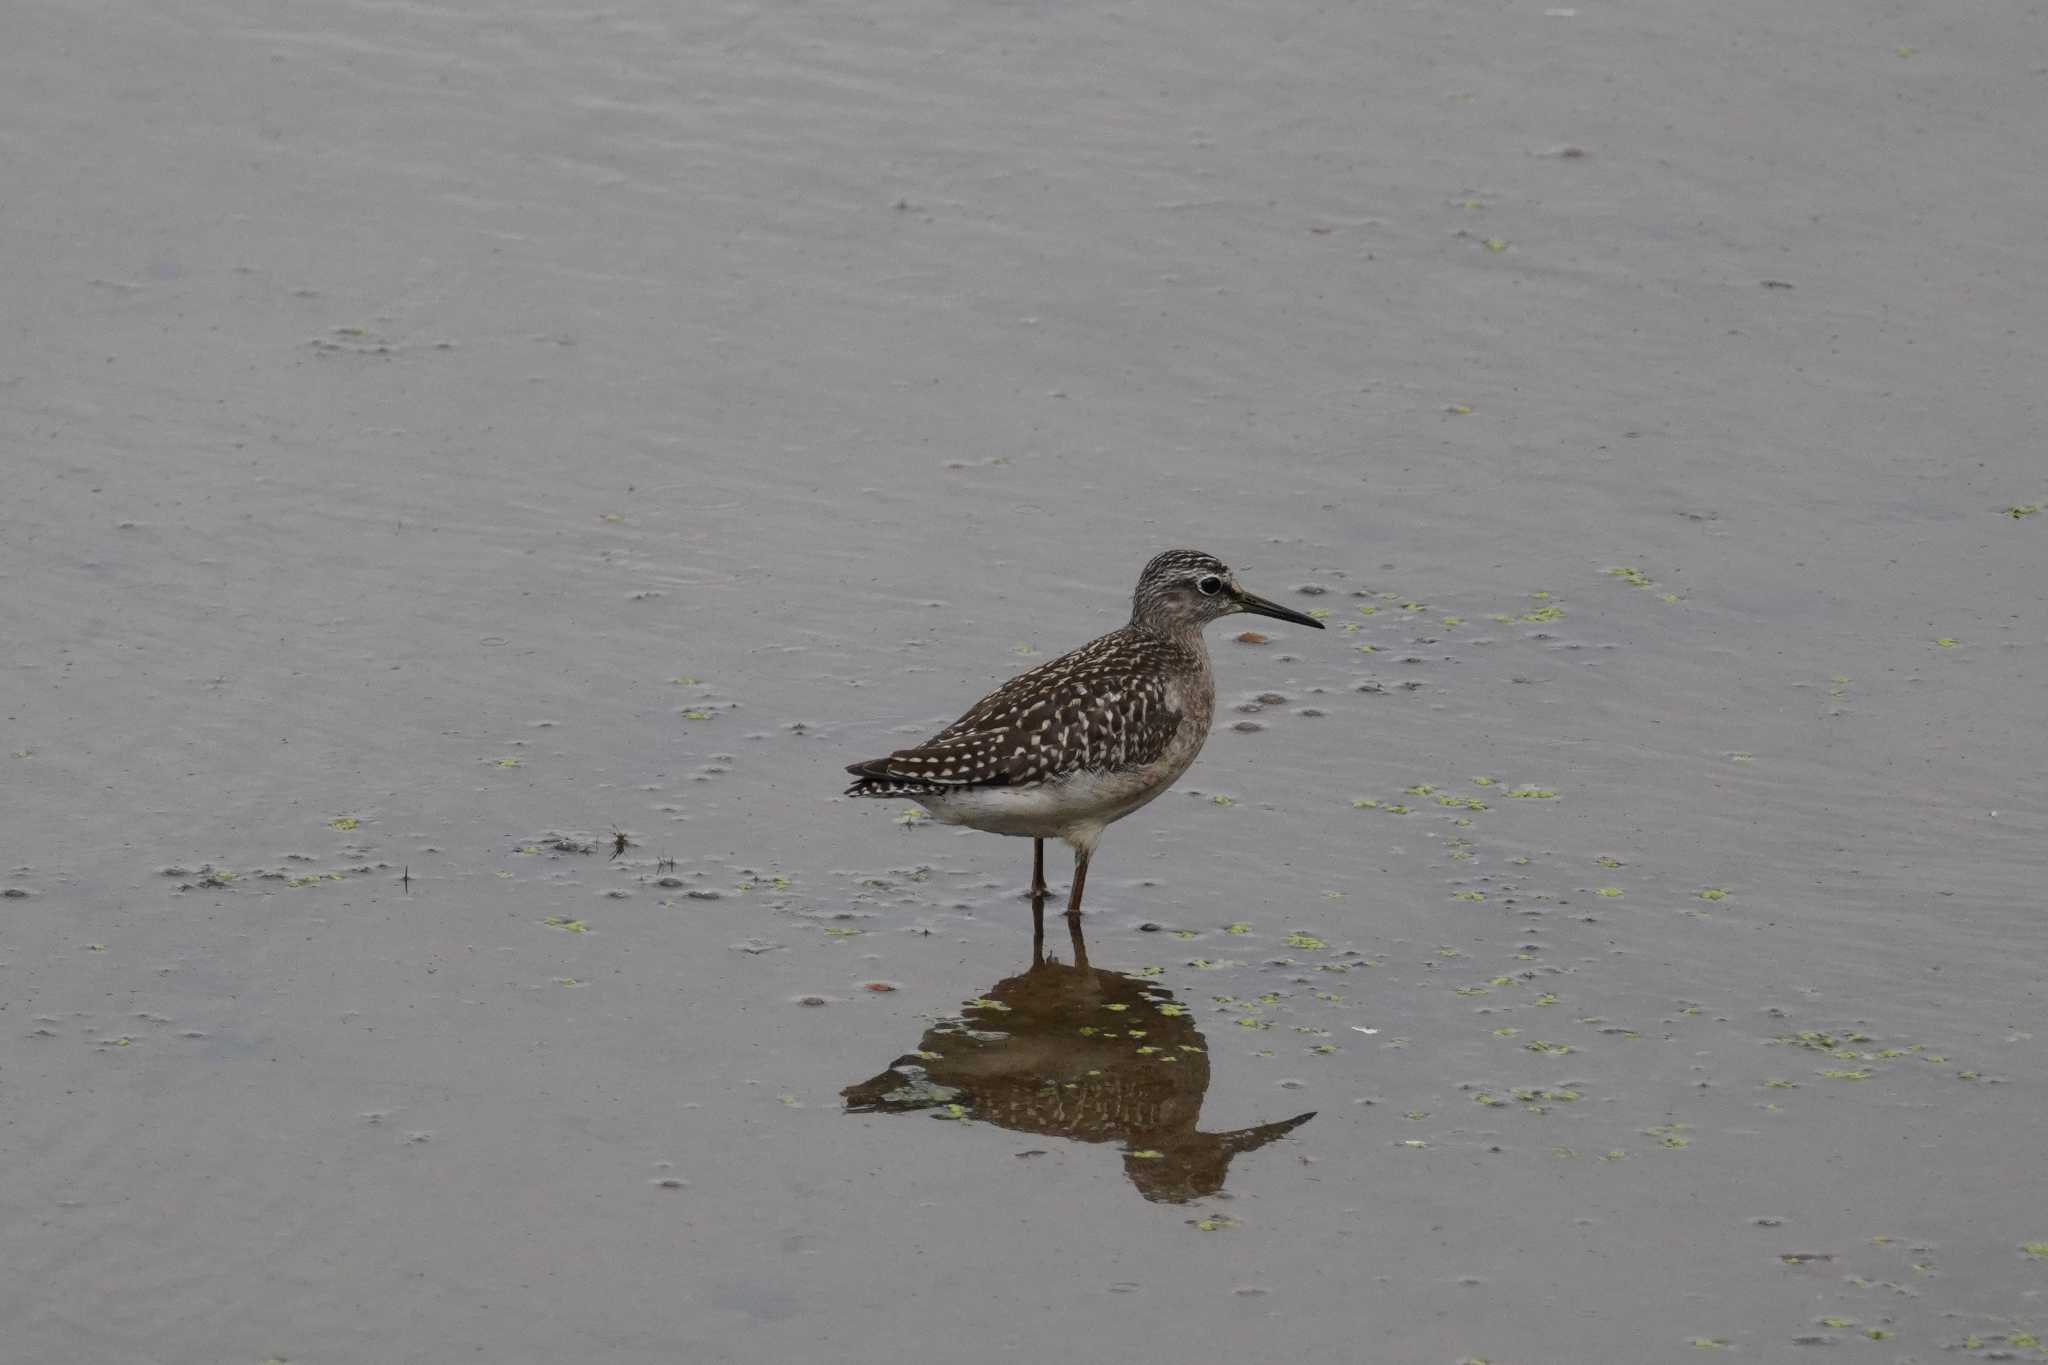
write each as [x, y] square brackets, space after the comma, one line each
[443, 443]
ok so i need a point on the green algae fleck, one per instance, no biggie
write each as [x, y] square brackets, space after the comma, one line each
[566, 925]
[1712, 893]
[343, 822]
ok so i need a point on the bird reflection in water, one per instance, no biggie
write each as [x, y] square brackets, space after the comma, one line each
[1081, 1052]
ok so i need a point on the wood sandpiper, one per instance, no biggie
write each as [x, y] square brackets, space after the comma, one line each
[1065, 749]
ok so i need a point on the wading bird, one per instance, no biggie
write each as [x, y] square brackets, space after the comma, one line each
[1071, 746]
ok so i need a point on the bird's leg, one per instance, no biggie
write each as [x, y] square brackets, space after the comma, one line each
[1038, 927]
[1037, 867]
[1080, 944]
[1080, 878]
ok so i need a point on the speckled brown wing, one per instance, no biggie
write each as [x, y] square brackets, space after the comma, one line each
[1104, 706]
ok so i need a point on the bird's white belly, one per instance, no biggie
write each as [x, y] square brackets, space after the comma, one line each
[1075, 807]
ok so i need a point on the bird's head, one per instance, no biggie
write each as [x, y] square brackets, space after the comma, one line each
[1187, 589]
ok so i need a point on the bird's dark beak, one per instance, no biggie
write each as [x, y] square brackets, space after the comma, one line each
[1259, 606]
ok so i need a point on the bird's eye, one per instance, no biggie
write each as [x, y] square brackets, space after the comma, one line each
[1209, 586]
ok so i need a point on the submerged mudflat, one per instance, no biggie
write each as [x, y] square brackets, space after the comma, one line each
[474, 478]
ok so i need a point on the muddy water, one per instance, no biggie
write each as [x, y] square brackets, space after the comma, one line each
[439, 439]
